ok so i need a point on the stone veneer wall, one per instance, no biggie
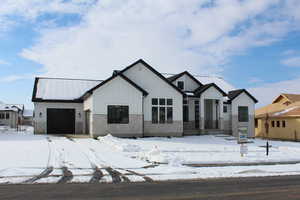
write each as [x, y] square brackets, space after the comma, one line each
[100, 126]
[173, 129]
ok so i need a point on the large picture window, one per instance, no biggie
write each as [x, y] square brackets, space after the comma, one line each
[243, 114]
[162, 110]
[117, 114]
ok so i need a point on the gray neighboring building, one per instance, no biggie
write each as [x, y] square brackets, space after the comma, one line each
[11, 114]
[139, 101]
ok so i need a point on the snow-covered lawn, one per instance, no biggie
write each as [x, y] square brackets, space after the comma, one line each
[28, 158]
[204, 149]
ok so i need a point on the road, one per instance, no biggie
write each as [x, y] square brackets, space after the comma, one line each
[284, 187]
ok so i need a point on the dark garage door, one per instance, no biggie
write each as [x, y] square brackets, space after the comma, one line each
[60, 121]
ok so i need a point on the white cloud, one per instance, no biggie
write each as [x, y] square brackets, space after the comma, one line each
[31, 9]
[267, 92]
[13, 78]
[171, 35]
[291, 62]
[3, 62]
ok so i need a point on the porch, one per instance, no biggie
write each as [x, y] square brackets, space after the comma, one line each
[202, 116]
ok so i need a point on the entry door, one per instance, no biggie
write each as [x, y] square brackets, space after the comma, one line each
[208, 109]
[197, 114]
[60, 121]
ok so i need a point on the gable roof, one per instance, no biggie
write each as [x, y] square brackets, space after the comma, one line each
[145, 93]
[203, 88]
[235, 93]
[61, 89]
[177, 76]
[11, 107]
[154, 71]
[291, 97]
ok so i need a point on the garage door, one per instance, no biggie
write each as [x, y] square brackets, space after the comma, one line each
[60, 121]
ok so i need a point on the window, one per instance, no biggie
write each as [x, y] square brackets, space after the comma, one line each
[278, 123]
[162, 111]
[283, 124]
[169, 115]
[154, 115]
[7, 115]
[256, 123]
[162, 115]
[196, 102]
[243, 114]
[162, 101]
[273, 124]
[224, 109]
[180, 85]
[169, 102]
[117, 114]
[154, 101]
[185, 113]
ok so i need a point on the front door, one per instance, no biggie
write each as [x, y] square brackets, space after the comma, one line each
[208, 116]
[197, 113]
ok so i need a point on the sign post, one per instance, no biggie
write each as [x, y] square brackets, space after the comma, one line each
[243, 139]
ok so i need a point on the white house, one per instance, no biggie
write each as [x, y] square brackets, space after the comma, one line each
[11, 114]
[139, 101]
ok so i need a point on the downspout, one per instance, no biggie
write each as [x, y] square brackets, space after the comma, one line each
[143, 122]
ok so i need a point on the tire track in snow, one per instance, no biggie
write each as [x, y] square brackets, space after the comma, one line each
[67, 174]
[146, 178]
[48, 169]
[97, 175]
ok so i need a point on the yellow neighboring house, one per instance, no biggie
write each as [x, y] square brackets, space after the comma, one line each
[279, 120]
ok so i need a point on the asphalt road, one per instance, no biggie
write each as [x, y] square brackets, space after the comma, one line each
[275, 188]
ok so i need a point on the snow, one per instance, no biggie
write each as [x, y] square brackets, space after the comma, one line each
[63, 89]
[28, 113]
[25, 156]
[13, 107]
[220, 82]
[121, 146]
[285, 111]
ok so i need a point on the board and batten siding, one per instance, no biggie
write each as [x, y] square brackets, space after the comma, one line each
[189, 84]
[243, 100]
[157, 88]
[40, 121]
[116, 92]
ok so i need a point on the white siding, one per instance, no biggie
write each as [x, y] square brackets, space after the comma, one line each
[189, 84]
[88, 103]
[211, 93]
[117, 92]
[243, 100]
[157, 88]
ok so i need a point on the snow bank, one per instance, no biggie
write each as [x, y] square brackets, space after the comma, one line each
[156, 156]
[119, 144]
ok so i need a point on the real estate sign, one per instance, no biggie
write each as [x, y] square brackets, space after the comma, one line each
[243, 134]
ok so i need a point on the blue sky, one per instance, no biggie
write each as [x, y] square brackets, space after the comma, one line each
[252, 44]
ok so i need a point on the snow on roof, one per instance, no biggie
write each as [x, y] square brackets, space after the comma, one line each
[219, 81]
[63, 89]
[28, 113]
[224, 85]
[285, 111]
[13, 107]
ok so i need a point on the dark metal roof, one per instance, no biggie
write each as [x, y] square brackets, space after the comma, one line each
[203, 88]
[177, 76]
[235, 93]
